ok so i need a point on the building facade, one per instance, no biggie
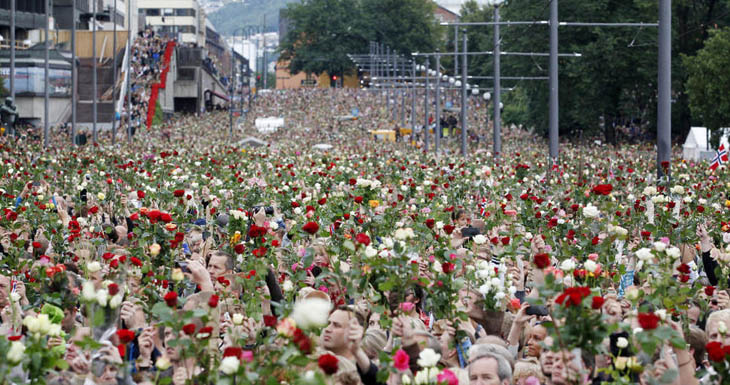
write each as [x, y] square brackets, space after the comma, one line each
[183, 19]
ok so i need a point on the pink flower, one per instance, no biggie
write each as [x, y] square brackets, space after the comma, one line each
[295, 266]
[510, 212]
[593, 256]
[448, 377]
[401, 360]
[665, 240]
[407, 307]
[431, 258]
[247, 356]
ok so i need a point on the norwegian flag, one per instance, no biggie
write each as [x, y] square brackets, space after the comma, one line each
[332, 229]
[721, 157]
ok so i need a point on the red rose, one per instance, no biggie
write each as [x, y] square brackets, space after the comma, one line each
[213, 301]
[107, 256]
[709, 290]
[358, 199]
[189, 329]
[449, 229]
[233, 351]
[322, 201]
[715, 351]
[125, 336]
[542, 260]
[140, 194]
[684, 268]
[505, 241]
[352, 181]
[447, 267]
[36, 245]
[573, 296]
[602, 189]
[597, 302]
[684, 278]
[328, 363]
[165, 217]
[94, 210]
[256, 231]
[136, 261]
[270, 321]
[205, 332]
[700, 209]
[171, 298]
[239, 248]
[648, 321]
[178, 193]
[430, 223]
[113, 289]
[311, 227]
[305, 345]
[363, 239]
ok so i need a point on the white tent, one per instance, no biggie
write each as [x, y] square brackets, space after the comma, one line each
[696, 144]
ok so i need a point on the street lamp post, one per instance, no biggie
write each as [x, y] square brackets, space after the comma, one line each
[425, 105]
[437, 131]
[463, 97]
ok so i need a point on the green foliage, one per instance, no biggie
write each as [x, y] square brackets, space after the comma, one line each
[709, 80]
[323, 32]
[235, 15]
[615, 79]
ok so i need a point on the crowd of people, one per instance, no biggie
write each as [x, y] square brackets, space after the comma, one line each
[189, 259]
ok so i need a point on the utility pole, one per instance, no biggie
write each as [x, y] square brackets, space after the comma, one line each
[129, 67]
[265, 66]
[74, 86]
[45, 75]
[456, 50]
[497, 116]
[554, 110]
[463, 96]
[425, 106]
[12, 51]
[114, 70]
[93, 69]
[664, 109]
[437, 131]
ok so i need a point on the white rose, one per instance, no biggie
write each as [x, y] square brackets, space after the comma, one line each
[102, 296]
[31, 323]
[273, 225]
[229, 365]
[44, 324]
[16, 352]
[660, 246]
[622, 343]
[500, 295]
[673, 252]
[644, 254]
[116, 301]
[484, 289]
[662, 314]
[54, 330]
[479, 239]
[101, 196]
[590, 211]
[678, 189]
[496, 282]
[567, 265]
[649, 190]
[590, 265]
[87, 291]
[370, 252]
[163, 363]
[287, 285]
[721, 328]
[428, 358]
[311, 313]
[439, 225]
[93, 266]
[237, 319]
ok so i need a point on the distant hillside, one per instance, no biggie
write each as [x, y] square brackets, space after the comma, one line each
[236, 15]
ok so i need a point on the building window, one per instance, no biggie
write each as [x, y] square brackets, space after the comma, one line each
[153, 12]
[185, 12]
[167, 11]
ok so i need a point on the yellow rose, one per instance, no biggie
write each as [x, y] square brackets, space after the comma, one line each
[374, 203]
[154, 249]
[235, 238]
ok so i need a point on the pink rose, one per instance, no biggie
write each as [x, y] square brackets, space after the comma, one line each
[401, 360]
[247, 356]
[447, 376]
[407, 307]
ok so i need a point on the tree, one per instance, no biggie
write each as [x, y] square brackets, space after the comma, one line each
[709, 81]
[614, 82]
[323, 32]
